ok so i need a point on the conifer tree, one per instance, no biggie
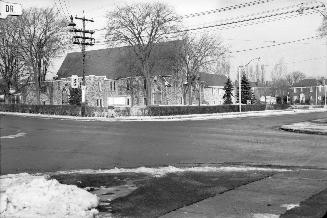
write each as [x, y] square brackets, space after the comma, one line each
[228, 92]
[246, 93]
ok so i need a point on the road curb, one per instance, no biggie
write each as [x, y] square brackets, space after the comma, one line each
[190, 117]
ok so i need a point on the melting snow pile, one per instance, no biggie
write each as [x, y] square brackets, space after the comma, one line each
[25, 195]
[161, 171]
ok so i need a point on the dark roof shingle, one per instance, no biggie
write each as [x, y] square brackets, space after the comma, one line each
[213, 79]
[310, 82]
[113, 62]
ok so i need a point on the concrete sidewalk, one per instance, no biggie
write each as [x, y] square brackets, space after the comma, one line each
[267, 198]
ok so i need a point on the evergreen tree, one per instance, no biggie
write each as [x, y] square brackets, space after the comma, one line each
[246, 92]
[253, 99]
[228, 92]
[75, 97]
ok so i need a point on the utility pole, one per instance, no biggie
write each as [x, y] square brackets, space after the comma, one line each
[324, 14]
[240, 70]
[84, 41]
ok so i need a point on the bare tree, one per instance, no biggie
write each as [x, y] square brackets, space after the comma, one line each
[279, 71]
[280, 84]
[128, 68]
[14, 75]
[323, 27]
[141, 26]
[42, 36]
[294, 77]
[198, 55]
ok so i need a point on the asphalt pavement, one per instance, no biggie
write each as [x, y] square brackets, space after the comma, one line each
[45, 145]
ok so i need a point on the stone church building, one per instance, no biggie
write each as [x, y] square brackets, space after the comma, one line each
[113, 78]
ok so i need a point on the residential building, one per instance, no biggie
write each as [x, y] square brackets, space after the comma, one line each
[309, 91]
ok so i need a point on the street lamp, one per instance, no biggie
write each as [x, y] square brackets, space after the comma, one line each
[239, 82]
[324, 14]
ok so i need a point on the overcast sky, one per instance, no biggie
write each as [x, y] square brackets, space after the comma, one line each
[308, 56]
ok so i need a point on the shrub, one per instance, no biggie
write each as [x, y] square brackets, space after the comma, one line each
[182, 110]
[106, 112]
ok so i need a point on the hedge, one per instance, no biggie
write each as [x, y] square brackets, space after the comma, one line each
[277, 106]
[70, 110]
[182, 110]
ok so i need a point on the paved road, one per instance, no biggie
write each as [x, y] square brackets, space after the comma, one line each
[54, 144]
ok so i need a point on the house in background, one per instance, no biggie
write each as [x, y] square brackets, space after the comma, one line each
[262, 92]
[113, 78]
[213, 90]
[309, 91]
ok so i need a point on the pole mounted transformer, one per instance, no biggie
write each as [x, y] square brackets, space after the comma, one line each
[84, 38]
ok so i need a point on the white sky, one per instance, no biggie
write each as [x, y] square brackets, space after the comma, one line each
[308, 56]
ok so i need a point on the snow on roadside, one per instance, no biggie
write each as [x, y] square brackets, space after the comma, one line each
[307, 126]
[265, 215]
[176, 117]
[25, 195]
[161, 171]
[21, 134]
[290, 206]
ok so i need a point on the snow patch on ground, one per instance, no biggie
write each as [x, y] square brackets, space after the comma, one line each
[177, 117]
[290, 206]
[21, 134]
[307, 126]
[265, 215]
[161, 171]
[25, 195]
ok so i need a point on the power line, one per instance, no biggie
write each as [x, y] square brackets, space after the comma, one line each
[289, 16]
[300, 61]
[248, 19]
[228, 8]
[245, 20]
[233, 7]
[261, 13]
[273, 19]
[274, 45]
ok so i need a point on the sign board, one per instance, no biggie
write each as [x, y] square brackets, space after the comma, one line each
[117, 101]
[10, 9]
[74, 81]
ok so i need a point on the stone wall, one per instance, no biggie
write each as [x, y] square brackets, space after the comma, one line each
[165, 91]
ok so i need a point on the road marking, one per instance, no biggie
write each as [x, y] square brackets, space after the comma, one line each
[21, 134]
